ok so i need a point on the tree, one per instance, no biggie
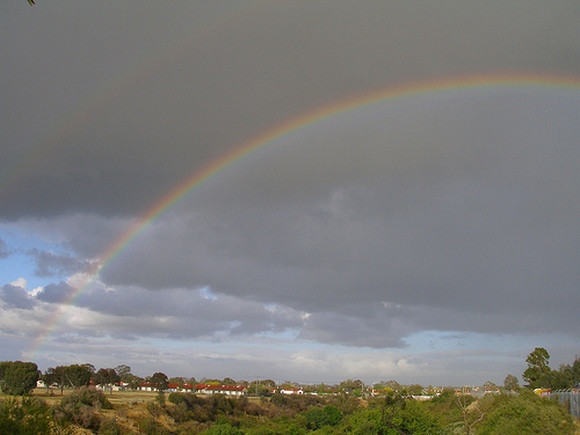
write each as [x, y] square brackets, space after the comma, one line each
[159, 381]
[471, 412]
[77, 375]
[511, 383]
[55, 376]
[414, 389]
[576, 371]
[319, 417]
[351, 386]
[29, 415]
[107, 377]
[18, 378]
[124, 372]
[538, 369]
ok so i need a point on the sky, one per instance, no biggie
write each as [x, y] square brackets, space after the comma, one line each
[300, 191]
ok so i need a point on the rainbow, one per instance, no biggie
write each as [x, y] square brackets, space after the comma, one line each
[251, 146]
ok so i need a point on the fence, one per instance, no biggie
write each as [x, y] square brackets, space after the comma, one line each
[571, 399]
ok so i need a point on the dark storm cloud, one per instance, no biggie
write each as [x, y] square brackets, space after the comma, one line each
[216, 87]
[471, 219]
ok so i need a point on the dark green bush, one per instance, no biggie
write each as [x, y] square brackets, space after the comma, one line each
[17, 377]
[319, 417]
[29, 416]
[223, 429]
[87, 396]
[525, 414]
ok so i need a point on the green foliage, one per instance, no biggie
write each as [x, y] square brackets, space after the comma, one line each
[296, 403]
[87, 396]
[77, 375]
[107, 377]
[54, 376]
[159, 380]
[346, 404]
[393, 415]
[81, 406]
[511, 383]
[445, 408]
[539, 375]
[188, 406]
[150, 426]
[223, 429]
[109, 426]
[124, 372]
[18, 378]
[538, 369]
[319, 417]
[29, 416]
[417, 420]
[160, 398]
[526, 414]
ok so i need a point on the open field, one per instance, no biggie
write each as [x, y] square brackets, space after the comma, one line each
[128, 397]
[53, 396]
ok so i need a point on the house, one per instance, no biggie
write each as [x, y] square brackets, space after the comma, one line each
[226, 390]
[146, 386]
[174, 387]
[291, 390]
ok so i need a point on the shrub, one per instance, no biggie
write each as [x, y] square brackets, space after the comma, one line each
[109, 426]
[319, 417]
[223, 429]
[526, 414]
[150, 426]
[81, 406]
[176, 398]
[29, 416]
[87, 396]
[18, 378]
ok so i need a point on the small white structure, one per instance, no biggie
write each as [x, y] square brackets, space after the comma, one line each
[291, 391]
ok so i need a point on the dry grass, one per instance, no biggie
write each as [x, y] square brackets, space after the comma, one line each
[53, 396]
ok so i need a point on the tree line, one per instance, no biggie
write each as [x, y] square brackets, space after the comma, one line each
[391, 411]
[20, 378]
[538, 374]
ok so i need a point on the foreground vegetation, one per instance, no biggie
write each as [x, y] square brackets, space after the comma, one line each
[89, 411]
[74, 402]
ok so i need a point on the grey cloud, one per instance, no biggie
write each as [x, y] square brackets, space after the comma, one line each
[181, 313]
[4, 250]
[202, 95]
[472, 219]
[15, 297]
[51, 264]
[371, 330]
[446, 211]
[56, 293]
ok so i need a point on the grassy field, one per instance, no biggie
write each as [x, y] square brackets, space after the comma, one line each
[117, 398]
